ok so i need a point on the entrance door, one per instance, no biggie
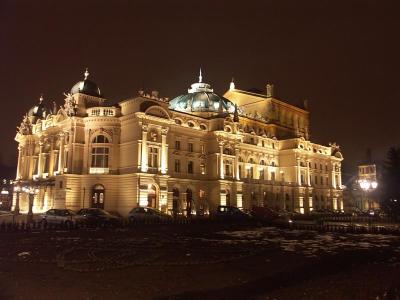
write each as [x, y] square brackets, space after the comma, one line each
[98, 196]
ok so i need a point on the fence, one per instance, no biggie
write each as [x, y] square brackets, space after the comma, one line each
[126, 224]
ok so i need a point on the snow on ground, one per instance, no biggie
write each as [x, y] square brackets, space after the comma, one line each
[309, 243]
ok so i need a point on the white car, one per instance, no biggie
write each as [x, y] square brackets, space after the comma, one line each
[6, 216]
[61, 216]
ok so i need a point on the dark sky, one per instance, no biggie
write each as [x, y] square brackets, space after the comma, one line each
[343, 56]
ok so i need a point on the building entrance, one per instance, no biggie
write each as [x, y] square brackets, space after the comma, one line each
[98, 196]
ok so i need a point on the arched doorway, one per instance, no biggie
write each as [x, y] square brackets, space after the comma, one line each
[175, 202]
[189, 202]
[98, 196]
[151, 196]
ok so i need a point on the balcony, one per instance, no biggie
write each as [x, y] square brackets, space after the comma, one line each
[102, 112]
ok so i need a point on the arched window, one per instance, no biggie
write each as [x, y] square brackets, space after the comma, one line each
[100, 155]
[100, 139]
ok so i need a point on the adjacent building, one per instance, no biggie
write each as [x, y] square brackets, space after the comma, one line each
[186, 155]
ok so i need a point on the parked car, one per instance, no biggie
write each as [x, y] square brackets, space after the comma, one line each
[98, 216]
[267, 215]
[147, 213]
[6, 216]
[61, 216]
[231, 213]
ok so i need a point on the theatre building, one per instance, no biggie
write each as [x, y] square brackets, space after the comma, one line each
[189, 154]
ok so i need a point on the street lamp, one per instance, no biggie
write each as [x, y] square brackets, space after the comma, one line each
[31, 191]
[17, 190]
[367, 186]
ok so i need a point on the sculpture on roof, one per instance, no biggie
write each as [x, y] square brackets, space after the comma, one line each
[26, 126]
[70, 105]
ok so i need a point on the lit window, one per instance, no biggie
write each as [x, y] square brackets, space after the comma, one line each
[202, 168]
[100, 153]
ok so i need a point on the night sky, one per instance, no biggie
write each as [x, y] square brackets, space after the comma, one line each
[343, 56]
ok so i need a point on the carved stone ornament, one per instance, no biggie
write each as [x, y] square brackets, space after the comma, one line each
[70, 105]
[26, 126]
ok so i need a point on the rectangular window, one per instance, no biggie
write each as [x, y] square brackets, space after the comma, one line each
[153, 157]
[190, 147]
[177, 166]
[262, 174]
[321, 180]
[99, 157]
[190, 167]
[202, 168]
[35, 166]
[273, 176]
[177, 145]
[302, 179]
[55, 165]
[315, 180]
[46, 162]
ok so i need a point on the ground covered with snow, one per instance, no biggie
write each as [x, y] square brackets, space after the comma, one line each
[198, 261]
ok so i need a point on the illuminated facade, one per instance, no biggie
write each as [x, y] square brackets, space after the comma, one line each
[188, 155]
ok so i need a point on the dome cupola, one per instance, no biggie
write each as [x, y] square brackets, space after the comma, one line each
[86, 87]
[39, 110]
[201, 98]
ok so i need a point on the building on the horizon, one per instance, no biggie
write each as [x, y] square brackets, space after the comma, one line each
[187, 155]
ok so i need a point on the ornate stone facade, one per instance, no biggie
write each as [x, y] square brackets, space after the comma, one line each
[187, 155]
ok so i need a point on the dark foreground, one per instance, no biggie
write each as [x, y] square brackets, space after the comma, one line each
[198, 262]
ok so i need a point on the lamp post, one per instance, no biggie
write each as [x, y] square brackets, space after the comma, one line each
[367, 186]
[17, 190]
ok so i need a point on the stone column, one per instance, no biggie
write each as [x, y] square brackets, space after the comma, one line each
[308, 173]
[333, 176]
[144, 149]
[164, 151]
[237, 164]
[298, 177]
[18, 175]
[40, 160]
[61, 154]
[51, 157]
[221, 161]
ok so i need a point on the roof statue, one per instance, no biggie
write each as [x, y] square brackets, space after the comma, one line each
[70, 105]
[232, 85]
[26, 126]
[236, 114]
[86, 73]
[200, 77]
